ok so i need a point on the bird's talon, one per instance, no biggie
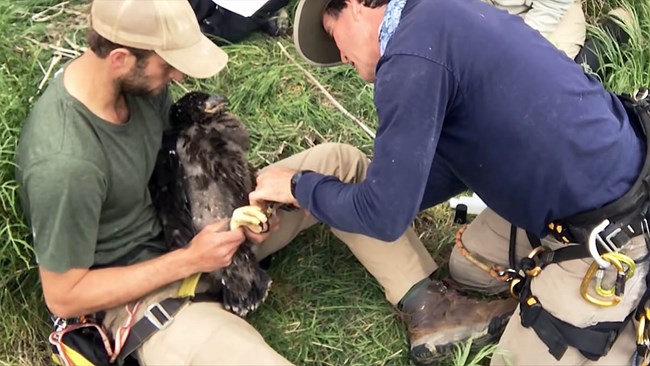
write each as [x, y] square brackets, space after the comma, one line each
[251, 217]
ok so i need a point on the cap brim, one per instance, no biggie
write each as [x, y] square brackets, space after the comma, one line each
[309, 36]
[202, 60]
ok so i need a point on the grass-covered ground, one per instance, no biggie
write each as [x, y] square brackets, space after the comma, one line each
[324, 309]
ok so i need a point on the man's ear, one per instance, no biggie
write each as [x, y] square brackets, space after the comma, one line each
[120, 60]
[356, 7]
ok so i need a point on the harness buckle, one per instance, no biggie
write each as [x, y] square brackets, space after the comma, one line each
[644, 226]
[153, 318]
[610, 236]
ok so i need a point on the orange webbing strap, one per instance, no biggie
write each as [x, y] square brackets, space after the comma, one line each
[495, 270]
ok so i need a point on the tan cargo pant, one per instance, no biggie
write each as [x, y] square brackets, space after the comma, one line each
[569, 36]
[206, 334]
[557, 288]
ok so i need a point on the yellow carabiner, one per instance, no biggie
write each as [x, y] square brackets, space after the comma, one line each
[513, 287]
[629, 272]
[642, 331]
[642, 339]
[593, 269]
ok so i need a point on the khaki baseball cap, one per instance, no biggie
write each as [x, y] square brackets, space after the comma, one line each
[168, 27]
[311, 41]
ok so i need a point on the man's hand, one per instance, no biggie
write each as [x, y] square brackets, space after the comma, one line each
[273, 185]
[212, 248]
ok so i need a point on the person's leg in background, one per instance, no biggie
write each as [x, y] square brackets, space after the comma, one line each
[571, 31]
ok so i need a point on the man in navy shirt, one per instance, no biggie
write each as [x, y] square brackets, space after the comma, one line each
[469, 97]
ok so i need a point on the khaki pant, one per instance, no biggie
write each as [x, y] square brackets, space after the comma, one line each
[569, 36]
[557, 288]
[206, 334]
[571, 31]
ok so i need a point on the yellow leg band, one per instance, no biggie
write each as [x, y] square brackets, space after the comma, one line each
[188, 286]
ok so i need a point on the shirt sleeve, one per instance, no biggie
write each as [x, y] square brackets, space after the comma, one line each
[545, 15]
[412, 95]
[63, 198]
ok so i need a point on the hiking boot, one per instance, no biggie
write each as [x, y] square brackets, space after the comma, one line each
[277, 24]
[438, 318]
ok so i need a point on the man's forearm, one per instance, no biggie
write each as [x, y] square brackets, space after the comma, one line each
[105, 288]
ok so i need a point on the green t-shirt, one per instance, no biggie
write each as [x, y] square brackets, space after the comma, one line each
[84, 181]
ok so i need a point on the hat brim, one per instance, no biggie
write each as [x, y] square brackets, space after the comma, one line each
[202, 60]
[309, 36]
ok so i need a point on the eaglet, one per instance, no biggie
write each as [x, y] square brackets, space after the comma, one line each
[202, 176]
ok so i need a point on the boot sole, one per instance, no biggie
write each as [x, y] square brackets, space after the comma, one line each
[444, 351]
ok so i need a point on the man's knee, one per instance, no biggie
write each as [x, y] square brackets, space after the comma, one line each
[485, 240]
[203, 333]
[469, 274]
[350, 163]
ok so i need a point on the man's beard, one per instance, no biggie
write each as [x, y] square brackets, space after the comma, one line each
[136, 83]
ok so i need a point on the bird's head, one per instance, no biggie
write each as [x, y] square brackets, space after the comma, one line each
[215, 104]
[197, 107]
[211, 112]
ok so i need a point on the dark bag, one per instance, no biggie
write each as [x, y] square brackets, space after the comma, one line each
[82, 341]
[79, 342]
[228, 27]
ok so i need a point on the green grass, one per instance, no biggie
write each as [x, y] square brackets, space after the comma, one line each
[324, 308]
[627, 67]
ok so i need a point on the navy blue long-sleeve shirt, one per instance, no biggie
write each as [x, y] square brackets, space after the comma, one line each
[470, 97]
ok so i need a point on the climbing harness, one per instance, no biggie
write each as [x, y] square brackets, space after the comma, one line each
[85, 340]
[599, 234]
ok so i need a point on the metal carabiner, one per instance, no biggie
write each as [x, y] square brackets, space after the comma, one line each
[593, 250]
[619, 287]
[514, 291]
[620, 279]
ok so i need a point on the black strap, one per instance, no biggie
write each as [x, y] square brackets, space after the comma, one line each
[570, 252]
[158, 314]
[512, 250]
[144, 328]
[593, 342]
[558, 335]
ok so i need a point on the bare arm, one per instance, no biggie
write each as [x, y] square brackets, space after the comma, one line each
[83, 291]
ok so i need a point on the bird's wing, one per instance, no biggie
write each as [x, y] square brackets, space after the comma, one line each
[169, 195]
